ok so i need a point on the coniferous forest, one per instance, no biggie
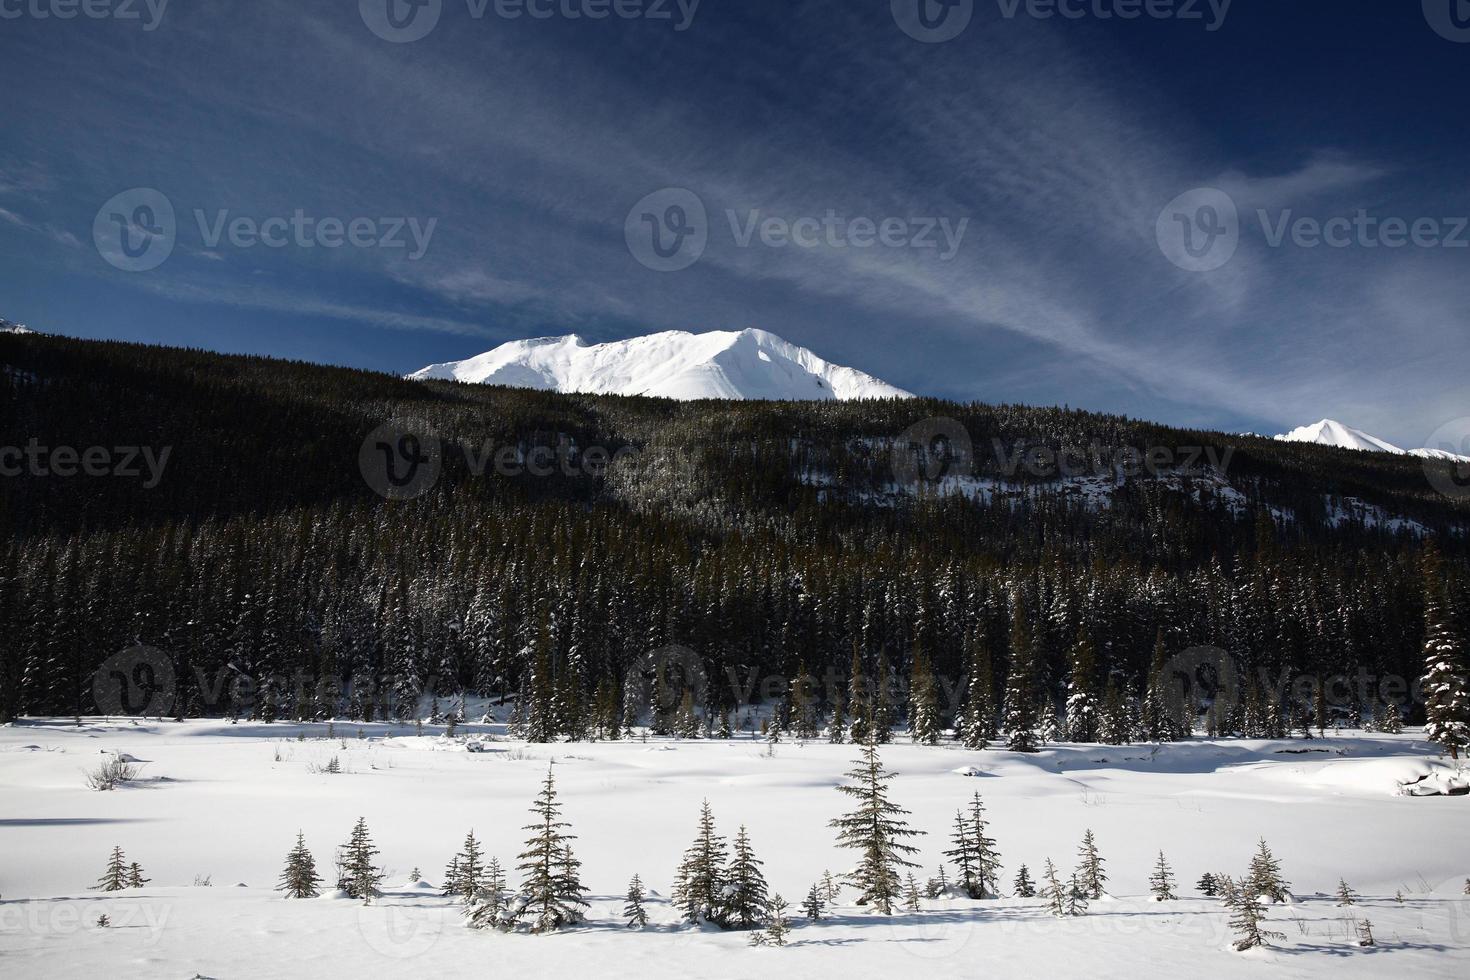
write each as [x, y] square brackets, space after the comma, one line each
[769, 538]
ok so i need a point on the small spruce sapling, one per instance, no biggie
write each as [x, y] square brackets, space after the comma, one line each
[115, 878]
[135, 876]
[1161, 882]
[1207, 886]
[814, 906]
[1090, 874]
[633, 909]
[299, 879]
[1345, 894]
[1023, 885]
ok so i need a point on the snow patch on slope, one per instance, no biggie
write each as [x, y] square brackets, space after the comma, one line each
[746, 364]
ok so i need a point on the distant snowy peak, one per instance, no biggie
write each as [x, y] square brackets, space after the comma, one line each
[6, 326]
[740, 365]
[1332, 433]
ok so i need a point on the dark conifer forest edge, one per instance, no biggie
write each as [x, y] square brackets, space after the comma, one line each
[764, 536]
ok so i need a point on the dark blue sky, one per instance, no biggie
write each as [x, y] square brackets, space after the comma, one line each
[1058, 142]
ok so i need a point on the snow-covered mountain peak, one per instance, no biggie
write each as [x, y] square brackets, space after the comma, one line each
[735, 364]
[1330, 432]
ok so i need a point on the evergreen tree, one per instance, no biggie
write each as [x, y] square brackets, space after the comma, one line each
[1365, 933]
[877, 830]
[1345, 895]
[633, 909]
[1392, 720]
[1023, 886]
[831, 889]
[1207, 886]
[837, 726]
[700, 881]
[1265, 878]
[1446, 695]
[1056, 893]
[974, 853]
[858, 701]
[1161, 882]
[115, 878]
[745, 895]
[978, 719]
[777, 925]
[1021, 695]
[1082, 707]
[1090, 874]
[880, 721]
[1077, 896]
[1247, 912]
[490, 907]
[135, 876]
[814, 906]
[299, 879]
[359, 876]
[551, 890]
[924, 723]
[911, 894]
[466, 875]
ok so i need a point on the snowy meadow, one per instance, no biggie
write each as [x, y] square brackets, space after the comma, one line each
[213, 808]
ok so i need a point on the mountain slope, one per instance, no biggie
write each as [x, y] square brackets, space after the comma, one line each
[743, 365]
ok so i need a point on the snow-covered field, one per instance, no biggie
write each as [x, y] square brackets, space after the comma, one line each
[226, 801]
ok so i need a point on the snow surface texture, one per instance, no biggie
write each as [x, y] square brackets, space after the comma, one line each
[226, 801]
[749, 364]
[1332, 433]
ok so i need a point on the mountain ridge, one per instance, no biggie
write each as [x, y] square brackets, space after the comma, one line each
[743, 365]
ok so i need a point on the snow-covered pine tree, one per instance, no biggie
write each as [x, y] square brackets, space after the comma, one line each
[1082, 705]
[135, 876]
[1365, 933]
[1023, 886]
[1161, 882]
[814, 906]
[1446, 695]
[489, 908]
[877, 830]
[1391, 720]
[805, 724]
[1207, 886]
[1021, 696]
[1345, 894]
[880, 723]
[633, 909]
[858, 703]
[1163, 715]
[924, 723]
[938, 886]
[1076, 896]
[831, 889]
[686, 719]
[745, 894]
[1116, 720]
[1091, 875]
[551, 889]
[360, 878]
[1247, 912]
[1264, 877]
[911, 894]
[978, 718]
[837, 726]
[963, 855]
[1056, 892]
[299, 879]
[700, 881]
[468, 872]
[115, 878]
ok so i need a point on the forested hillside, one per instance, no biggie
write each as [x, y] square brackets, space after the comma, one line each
[769, 538]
